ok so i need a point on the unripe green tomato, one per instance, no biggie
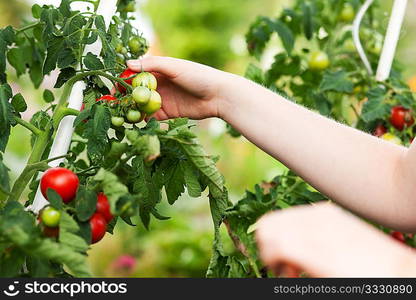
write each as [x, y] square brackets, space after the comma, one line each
[141, 95]
[318, 61]
[133, 116]
[145, 79]
[124, 50]
[376, 47]
[154, 104]
[349, 45]
[50, 216]
[134, 45]
[347, 13]
[117, 121]
[392, 138]
[119, 47]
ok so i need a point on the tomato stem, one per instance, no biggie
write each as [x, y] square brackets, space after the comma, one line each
[36, 131]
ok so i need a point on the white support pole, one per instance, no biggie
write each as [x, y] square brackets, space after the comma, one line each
[391, 39]
[60, 146]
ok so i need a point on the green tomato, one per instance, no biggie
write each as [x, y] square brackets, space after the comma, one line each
[117, 121]
[318, 61]
[347, 13]
[124, 50]
[145, 79]
[141, 95]
[119, 47]
[392, 138]
[135, 45]
[133, 116]
[50, 216]
[154, 104]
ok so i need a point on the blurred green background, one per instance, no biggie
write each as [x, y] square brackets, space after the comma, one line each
[206, 31]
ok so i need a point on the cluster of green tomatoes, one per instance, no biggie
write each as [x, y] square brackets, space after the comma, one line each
[133, 108]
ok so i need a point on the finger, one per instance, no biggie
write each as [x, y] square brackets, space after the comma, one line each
[165, 65]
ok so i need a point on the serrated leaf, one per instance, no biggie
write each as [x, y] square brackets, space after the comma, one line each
[174, 182]
[336, 81]
[254, 73]
[191, 180]
[19, 103]
[96, 132]
[64, 76]
[111, 187]
[66, 58]
[55, 46]
[54, 199]
[85, 204]
[92, 62]
[375, 107]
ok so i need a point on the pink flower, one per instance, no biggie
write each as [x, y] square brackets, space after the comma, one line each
[125, 262]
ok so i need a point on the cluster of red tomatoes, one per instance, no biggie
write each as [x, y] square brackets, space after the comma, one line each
[143, 102]
[400, 118]
[65, 183]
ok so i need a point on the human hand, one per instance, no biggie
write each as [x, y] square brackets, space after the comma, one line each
[188, 89]
[326, 241]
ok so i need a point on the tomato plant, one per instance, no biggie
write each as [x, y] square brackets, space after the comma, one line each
[114, 172]
[139, 165]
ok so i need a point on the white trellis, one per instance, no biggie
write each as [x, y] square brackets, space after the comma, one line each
[390, 40]
[65, 130]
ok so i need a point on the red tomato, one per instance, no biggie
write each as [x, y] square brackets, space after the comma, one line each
[107, 98]
[98, 227]
[103, 207]
[62, 181]
[398, 236]
[379, 130]
[401, 117]
[126, 74]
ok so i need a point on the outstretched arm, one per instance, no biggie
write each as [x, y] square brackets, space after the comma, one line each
[369, 176]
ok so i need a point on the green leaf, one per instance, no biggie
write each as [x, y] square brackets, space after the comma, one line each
[111, 186]
[191, 179]
[48, 96]
[174, 182]
[336, 81]
[66, 58]
[307, 20]
[17, 59]
[54, 199]
[4, 177]
[36, 11]
[64, 76]
[85, 204]
[285, 34]
[96, 132]
[19, 103]
[254, 73]
[54, 48]
[6, 116]
[375, 107]
[92, 62]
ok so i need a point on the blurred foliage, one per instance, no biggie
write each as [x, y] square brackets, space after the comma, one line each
[11, 11]
[202, 30]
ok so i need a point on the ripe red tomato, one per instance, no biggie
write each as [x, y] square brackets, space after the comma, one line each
[98, 227]
[379, 130]
[103, 207]
[401, 117]
[62, 181]
[126, 74]
[107, 98]
[398, 236]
